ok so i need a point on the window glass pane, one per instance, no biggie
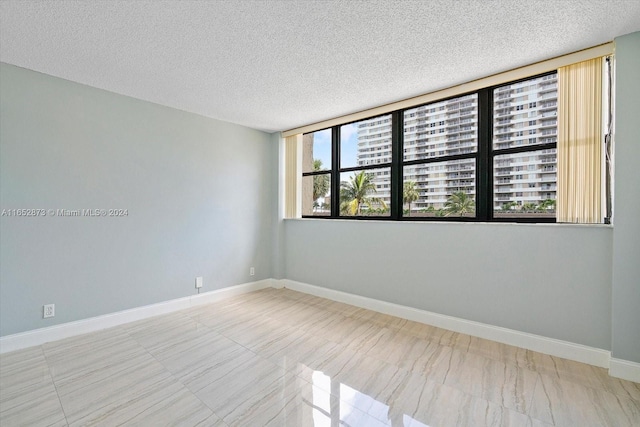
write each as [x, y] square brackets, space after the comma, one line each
[367, 142]
[525, 113]
[440, 189]
[525, 184]
[316, 151]
[365, 193]
[445, 128]
[316, 195]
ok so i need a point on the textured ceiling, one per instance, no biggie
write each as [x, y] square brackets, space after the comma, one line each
[275, 65]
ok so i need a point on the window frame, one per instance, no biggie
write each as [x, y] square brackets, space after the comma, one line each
[484, 157]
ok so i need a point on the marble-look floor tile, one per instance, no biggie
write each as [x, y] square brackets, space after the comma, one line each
[207, 363]
[306, 404]
[23, 369]
[580, 373]
[234, 393]
[278, 357]
[500, 383]
[129, 391]
[27, 394]
[566, 403]
[98, 353]
[161, 332]
[432, 404]
[33, 406]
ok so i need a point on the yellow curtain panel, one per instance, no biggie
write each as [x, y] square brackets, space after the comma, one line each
[291, 176]
[580, 143]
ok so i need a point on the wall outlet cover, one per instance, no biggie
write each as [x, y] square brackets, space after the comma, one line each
[48, 310]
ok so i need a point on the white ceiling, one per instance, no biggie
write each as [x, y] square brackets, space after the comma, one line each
[275, 65]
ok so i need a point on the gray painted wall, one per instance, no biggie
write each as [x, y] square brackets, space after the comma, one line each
[199, 192]
[626, 238]
[552, 280]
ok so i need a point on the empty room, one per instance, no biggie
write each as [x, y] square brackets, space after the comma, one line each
[320, 213]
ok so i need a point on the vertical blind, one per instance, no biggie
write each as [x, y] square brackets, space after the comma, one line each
[580, 142]
[292, 176]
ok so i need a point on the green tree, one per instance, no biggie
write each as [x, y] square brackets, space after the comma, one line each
[547, 205]
[321, 183]
[507, 206]
[459, 203]
[528, 207]
[409, 194]
[356, 193]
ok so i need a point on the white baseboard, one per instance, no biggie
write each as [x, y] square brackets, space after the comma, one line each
[553, 347]
[594, 356]
[70, 329]
[624, 369]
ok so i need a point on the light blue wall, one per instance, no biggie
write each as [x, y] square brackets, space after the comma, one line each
[575, 283]
[200, 196]
[202, 199]
[552, 280]
[626, 239]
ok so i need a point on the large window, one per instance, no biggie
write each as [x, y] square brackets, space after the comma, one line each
[488, 155]
[440, 147]
[524, 148]
[365, 168]
[316, 173]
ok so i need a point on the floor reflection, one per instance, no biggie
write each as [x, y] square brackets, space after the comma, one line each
[336, 404]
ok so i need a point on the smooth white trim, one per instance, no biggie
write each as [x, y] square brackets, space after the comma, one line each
[624, 369]
[70, 329]
[617, 367]
[553, 347]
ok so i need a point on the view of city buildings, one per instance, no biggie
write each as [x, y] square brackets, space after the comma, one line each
[524, 115]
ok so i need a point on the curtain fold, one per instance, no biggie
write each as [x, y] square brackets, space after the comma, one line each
[580, 143]
[292, 176]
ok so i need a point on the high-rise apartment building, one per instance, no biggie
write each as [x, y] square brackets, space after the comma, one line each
[524, 114]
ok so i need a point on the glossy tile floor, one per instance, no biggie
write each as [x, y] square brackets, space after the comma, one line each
[281, 358]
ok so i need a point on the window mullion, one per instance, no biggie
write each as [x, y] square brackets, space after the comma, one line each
[484, 181]
[335, 171]
[397, 127]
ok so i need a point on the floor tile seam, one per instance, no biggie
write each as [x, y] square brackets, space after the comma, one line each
[173, 377]
[55, 386]
[286, 396]
[254, 353]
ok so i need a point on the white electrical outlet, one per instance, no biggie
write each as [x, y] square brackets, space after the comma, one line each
[48, 310]
[198, 282]
[252, 271]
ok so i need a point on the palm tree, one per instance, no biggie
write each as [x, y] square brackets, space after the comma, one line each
[321, 183]
[528, 207]
[355, 193]
[459, 203]
[409, 194]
